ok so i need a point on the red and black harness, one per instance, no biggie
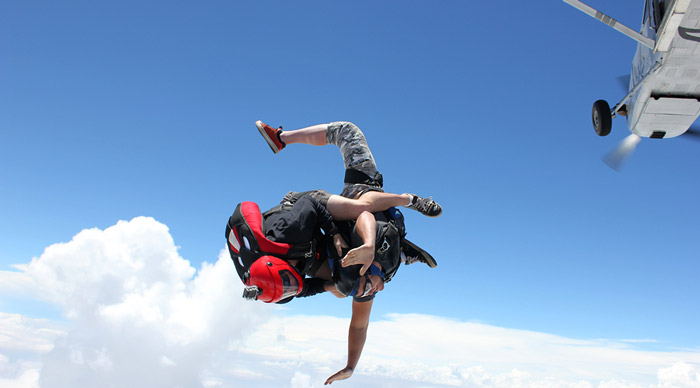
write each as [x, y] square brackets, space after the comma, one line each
[247, 242]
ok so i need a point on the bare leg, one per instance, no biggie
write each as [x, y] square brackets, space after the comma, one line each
[342, 208]
[381, 201]
[350, 140]
[314, 135]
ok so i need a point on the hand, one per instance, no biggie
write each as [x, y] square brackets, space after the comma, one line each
[364, 254]
[340, 375]
[339, 243]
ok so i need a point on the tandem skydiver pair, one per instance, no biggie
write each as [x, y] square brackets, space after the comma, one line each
[312, 242]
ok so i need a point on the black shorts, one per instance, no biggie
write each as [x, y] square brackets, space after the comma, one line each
[319, 195]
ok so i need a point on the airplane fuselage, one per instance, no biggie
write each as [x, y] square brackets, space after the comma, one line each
[667, 100]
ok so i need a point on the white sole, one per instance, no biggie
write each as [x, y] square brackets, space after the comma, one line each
[269, 141]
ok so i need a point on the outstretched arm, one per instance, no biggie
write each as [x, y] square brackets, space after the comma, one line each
[357, 335]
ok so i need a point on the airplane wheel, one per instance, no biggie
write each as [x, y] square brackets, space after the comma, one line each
[602, 119]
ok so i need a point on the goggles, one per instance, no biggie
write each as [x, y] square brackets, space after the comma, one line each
[272, 288]
[290, 285]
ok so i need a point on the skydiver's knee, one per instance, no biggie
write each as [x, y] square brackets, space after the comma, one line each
[339, 132]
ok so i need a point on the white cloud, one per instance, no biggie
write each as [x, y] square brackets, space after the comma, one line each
[422, 349]
[22, 334]
[680, 375]
[301, 380]
[27, 379]
[21, 340]
[139, 315]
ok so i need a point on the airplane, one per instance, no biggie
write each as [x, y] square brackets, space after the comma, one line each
[663, 98]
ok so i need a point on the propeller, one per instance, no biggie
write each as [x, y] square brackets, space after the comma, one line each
[624, 150]
[617, 157]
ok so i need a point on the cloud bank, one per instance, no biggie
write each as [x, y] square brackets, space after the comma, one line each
[139, 315]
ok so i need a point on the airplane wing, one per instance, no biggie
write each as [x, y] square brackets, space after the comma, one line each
[603, 18]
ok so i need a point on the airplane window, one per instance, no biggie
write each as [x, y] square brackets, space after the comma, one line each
[659, 10]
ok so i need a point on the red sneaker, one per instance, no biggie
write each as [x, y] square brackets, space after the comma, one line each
[271, 135]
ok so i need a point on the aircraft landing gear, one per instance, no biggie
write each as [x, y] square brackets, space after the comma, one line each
[602, 118]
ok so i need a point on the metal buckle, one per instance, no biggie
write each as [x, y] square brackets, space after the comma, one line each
[385, 247]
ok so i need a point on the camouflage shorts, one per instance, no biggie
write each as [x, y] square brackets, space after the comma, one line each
[356, 155]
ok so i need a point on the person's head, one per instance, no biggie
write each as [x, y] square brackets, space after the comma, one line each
[271, 279]
[370, 283]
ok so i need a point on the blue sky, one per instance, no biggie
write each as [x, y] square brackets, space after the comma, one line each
[110, 111]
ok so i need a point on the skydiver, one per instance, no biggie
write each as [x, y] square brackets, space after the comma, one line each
[378, 258]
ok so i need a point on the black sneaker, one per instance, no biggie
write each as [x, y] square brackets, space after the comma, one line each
[412, 253]
[425, 205]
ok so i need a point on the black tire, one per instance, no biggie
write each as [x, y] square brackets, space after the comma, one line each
[602, 119]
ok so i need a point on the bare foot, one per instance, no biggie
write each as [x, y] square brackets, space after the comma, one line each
[364, 254]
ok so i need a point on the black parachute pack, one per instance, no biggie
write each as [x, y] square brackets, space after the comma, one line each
[391, 232]
[247, 241]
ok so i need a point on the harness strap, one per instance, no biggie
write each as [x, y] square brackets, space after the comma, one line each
[353, 176]
[280, 207]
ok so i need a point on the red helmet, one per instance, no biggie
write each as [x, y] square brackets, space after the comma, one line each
[274, 278]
